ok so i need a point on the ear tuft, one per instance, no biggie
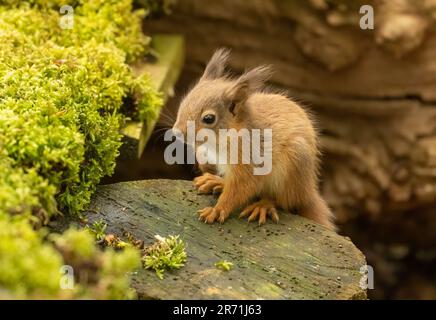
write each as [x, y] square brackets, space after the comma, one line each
[255, 78]
[251, 81]
[216, 65]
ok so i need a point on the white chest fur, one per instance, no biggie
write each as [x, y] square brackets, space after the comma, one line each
[208, 154]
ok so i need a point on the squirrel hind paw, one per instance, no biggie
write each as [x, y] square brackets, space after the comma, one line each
[210, 215]
[260, 211]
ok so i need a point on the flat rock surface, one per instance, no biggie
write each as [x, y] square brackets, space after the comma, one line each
[294, 259]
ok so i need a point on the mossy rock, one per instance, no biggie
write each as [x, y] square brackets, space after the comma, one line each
[294, 259]
[164, 73]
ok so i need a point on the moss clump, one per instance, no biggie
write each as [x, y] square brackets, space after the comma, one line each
[61, 93]
[99, 274]
[97, 229]
[166, 254]
[27, 264]
[62, 90]
[157, 7]
[224, 265]
[30, 265]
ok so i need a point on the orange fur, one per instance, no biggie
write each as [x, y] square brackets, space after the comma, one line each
[240, 103]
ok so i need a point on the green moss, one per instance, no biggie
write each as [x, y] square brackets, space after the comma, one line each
[166, 254]
[62, 92]
[97, 229]
[78, 245]
[27, 264]
[30, 266]
[115, 267]
[24, 191]
[61, 96]
[157, 7]
[100, 274]
[224, 265]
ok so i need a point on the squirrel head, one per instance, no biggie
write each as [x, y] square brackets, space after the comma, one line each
[217, 98]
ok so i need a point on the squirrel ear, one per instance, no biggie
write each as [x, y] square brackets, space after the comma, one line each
[216, 65]
[251, 81]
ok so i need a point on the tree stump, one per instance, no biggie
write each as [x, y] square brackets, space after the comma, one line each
[294, 259]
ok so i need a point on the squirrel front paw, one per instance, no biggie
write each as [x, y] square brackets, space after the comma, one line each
[210, 215]
[260, 210]
[209, 183]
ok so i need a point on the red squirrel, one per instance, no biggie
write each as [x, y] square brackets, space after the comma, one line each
[219, 101]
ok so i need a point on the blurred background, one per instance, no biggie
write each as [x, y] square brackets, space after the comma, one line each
[373, 93]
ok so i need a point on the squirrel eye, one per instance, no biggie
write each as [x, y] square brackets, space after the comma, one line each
[209, 118]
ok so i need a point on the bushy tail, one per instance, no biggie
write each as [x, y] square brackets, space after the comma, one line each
[318, 211]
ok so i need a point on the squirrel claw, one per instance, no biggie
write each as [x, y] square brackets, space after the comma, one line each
[208, 183]
[210, 215]
[217, 189]
[260, 210]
